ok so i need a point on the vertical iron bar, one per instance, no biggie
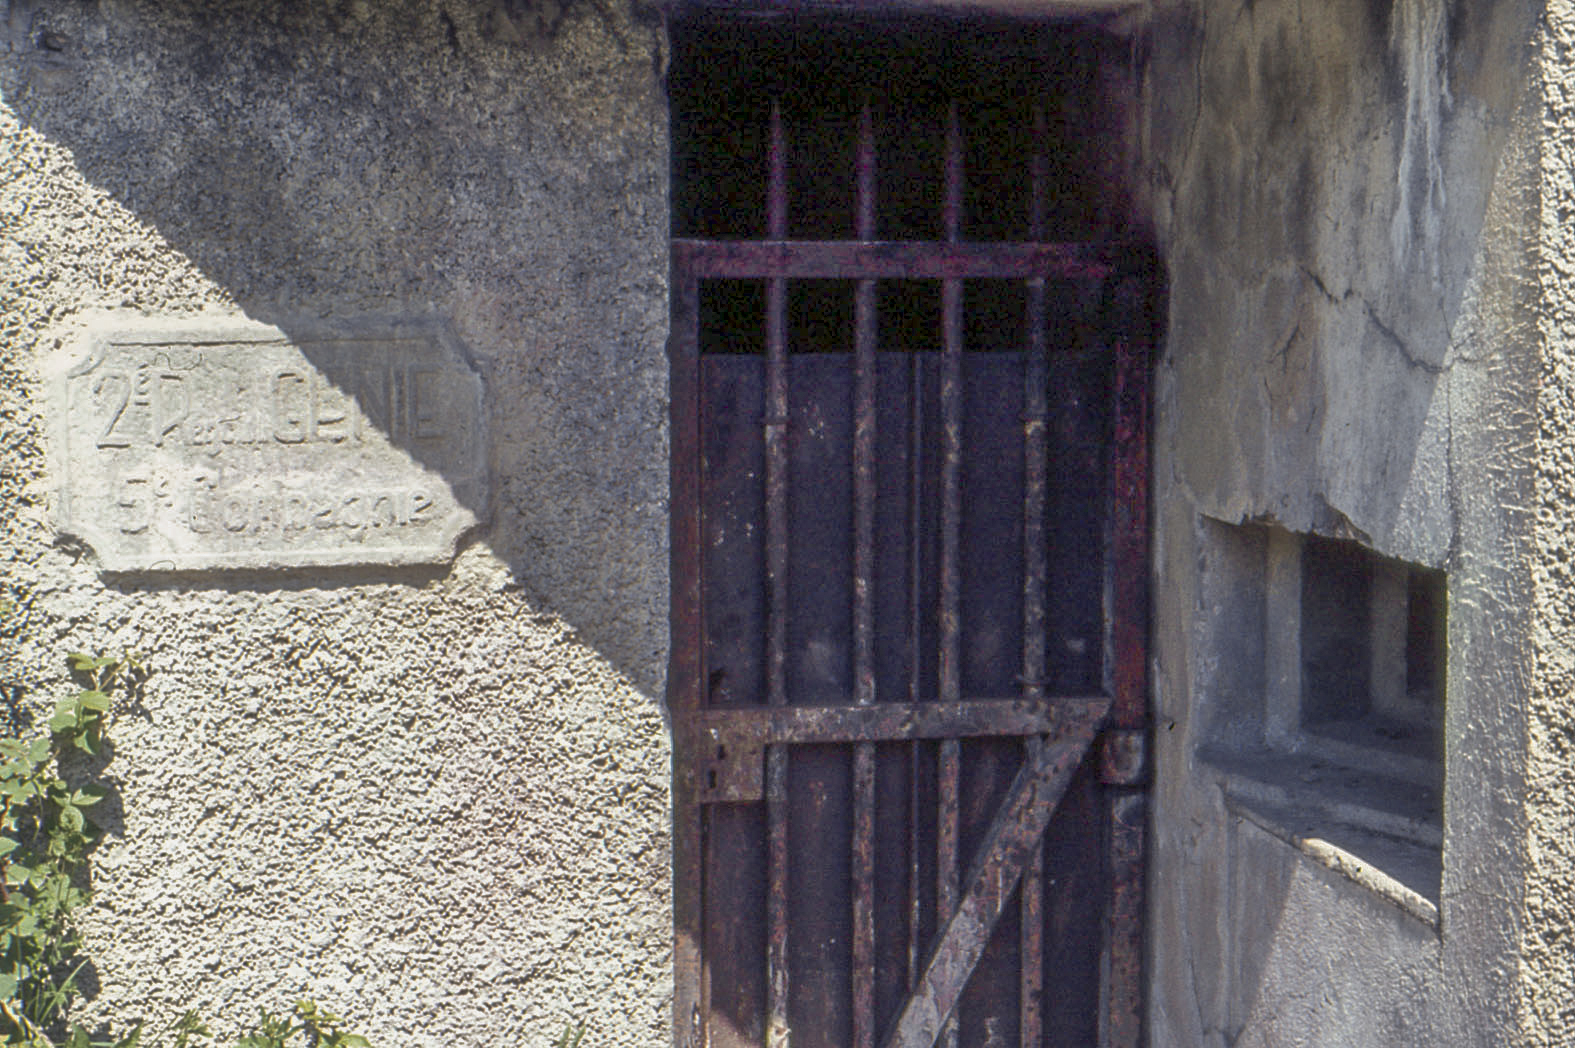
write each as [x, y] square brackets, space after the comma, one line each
[1121, 990]
[1035, 410]
[776, 423]
[689, 1006]
[776, 577]
[1121, 977]
[1130, 533]
[916, 750]
[863, 601]
[864, 429]
[951, 526]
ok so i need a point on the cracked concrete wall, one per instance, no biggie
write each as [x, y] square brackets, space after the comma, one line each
[1347, 200]
[435, 799]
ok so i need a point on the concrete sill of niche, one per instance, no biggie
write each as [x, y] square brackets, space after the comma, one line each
[1381, 832]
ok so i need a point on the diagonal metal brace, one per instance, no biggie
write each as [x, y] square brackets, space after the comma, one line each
[1007, 848]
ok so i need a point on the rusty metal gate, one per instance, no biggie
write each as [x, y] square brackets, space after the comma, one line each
[907, 688]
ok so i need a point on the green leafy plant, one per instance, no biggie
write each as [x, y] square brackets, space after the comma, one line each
[321, 1029]
[46, 838]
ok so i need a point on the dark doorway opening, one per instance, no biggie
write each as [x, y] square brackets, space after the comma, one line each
[910, 351]
[728, 70]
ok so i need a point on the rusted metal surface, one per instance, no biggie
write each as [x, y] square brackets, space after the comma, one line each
[864, 432]
[906, 260]
[1035, 464]
[889, 563]
[912, 641]
[1031, 935]
[1036, 408]
[947, 814]
[951, 428]
[775, 424]
[1005, 851]
[1123, 757]
[1122, 977]
[863, 872]
[1130, 527]
[777, 978]
[1124, 754]
[967, 718]
[863, 859]
[725, 747]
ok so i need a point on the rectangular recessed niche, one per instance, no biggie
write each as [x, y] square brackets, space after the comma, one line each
[1361, 671]
[1330, 726]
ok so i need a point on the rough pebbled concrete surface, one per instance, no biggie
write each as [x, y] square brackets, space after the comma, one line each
[435, 799]
[1347, 196]
[1548, 955]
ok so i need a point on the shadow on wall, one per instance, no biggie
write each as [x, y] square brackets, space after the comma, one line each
[1327, 282]
[498, 169]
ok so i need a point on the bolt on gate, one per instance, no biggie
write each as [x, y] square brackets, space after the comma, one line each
[909, 557]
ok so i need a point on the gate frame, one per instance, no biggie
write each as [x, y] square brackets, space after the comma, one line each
[1123, 745]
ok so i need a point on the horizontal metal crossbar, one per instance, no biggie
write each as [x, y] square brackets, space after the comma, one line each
[908, 260]
[729, 744]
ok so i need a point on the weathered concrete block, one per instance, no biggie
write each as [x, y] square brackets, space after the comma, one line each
[220, 443]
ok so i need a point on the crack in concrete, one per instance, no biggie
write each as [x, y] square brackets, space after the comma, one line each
[1283, 354]
[1399, 343]
[1323, 288]
[1390, 335]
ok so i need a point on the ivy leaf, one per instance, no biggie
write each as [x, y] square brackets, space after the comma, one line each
[8, 984]
[63, 720]
[94, 700]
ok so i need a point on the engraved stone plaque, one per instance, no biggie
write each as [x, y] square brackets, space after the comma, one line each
[233, 445]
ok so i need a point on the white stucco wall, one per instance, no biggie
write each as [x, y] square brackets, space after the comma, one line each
[1547, 964]
[434, 798]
